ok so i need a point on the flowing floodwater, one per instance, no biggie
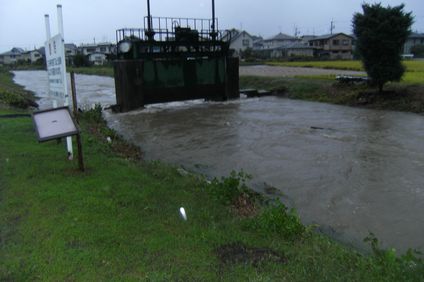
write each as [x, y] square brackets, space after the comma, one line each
[352, 171]
[91, 89]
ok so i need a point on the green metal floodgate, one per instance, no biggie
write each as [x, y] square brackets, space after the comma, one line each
[174, 59]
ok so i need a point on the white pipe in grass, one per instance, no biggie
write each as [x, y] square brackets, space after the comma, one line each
[183, 213]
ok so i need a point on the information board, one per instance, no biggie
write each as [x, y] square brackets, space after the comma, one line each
[54, 123]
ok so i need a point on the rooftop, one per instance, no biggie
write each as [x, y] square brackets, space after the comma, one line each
[280, 37]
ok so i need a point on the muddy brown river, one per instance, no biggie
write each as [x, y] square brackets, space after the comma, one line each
[351, 171]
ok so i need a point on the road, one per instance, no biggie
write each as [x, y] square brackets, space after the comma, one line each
[263, 70]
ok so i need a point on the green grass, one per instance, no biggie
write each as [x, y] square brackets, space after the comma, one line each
[94, 70]
[399, 96]
[414, 68]
[12, 94]
[119, 221]
[340, 65]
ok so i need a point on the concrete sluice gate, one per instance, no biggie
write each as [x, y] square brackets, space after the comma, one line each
[180, 59]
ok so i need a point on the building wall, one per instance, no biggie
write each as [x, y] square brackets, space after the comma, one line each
[341, 54]
[35, 56]
[270, 44]
[98, 48]
[411, 42]
[26, 57]
[300, 52]
[97, 58]
[11, 59]
[241, 43]
[292, 52]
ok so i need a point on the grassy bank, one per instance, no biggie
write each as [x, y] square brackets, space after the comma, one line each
[398, 96]
[12, 94]
[120, 221]
[94, 70]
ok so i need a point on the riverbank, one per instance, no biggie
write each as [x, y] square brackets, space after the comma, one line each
[120, 220]
[13, 95]
[397, 96]
[403, 96]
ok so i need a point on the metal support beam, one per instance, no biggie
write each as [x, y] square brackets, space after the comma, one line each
[213, 33]
[150, 33]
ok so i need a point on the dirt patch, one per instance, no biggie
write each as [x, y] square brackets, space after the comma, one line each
[236, 253]
[245, 205]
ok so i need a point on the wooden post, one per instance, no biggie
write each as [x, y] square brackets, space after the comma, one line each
[75, 112]
[74, 97]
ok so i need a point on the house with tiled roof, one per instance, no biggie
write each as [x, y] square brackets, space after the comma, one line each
[333, 46]
[12, 56]
[31, 56]
[278, 40]
[239, 40]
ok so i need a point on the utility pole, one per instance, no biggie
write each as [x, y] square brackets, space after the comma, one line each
[214, 28]
[332, 26]
[296, 31]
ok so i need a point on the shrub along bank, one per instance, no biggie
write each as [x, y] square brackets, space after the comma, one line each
[120, 220]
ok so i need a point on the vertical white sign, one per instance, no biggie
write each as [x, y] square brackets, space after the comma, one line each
[56, 67]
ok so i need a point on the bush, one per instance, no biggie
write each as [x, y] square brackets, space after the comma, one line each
[278, 219]
[381, 33]
[80, 61]
[94, 114]
[227, 189]
[408, 267]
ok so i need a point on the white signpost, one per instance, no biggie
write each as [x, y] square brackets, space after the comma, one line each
[56, 68]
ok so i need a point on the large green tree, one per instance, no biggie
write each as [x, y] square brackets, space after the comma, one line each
[381, 33]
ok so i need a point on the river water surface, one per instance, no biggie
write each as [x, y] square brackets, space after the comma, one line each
[352, 171]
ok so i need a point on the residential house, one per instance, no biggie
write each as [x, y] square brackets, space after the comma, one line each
[97, 59]
[413, 40]
[87, 49]
[97, 53]
[12, 56]
[239, 40]
[306, 38]
[104, 48]
[296, 49]
[31, 56]
[333, 46]
[70, 51]
[257, 43]
[278, 40]
[230, 33]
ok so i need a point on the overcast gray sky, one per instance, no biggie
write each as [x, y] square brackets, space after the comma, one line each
[22, 21]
